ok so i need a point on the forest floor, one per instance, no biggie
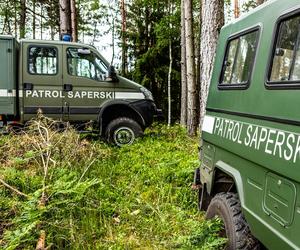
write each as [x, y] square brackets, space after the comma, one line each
[83, 194]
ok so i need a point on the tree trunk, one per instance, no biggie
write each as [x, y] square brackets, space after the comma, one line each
[191, 70]
[183, 113]
[170, 72]
[33, 19]
[113, 41]
[236, 9]
[259, 2]
[124, 40]
[74, 23]
[169, 85]
[212, 21]
[198, 66]
[22, 18]
[64, 14]
[41, 22]
[16, 19]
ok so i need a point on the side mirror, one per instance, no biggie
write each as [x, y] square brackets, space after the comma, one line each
[84, 51]
[111, 74]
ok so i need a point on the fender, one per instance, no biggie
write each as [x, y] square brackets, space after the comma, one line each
[236, 176]
[112, 103]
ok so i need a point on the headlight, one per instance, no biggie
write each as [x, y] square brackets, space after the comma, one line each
[147, 93]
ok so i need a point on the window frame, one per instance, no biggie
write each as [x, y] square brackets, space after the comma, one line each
[244, 85]
[43, 46]
[82, 77]
[290, 84]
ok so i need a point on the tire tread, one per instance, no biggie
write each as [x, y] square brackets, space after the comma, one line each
[244, 239]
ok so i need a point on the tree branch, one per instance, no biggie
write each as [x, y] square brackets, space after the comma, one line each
[34, 13]
[13, 189]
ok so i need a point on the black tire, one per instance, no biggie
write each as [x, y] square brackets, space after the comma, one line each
[15, 129]
[227, 207]
[123, 131]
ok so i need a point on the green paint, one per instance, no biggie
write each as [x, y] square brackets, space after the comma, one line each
[8, 75]
[252, 133]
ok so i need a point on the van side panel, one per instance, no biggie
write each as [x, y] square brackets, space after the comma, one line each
[7, 76]
[44, 90]
[270, 201]
[256, 132]
[287, 101]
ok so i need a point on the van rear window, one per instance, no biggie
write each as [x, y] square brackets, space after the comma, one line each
[239, 59]
[286, 54]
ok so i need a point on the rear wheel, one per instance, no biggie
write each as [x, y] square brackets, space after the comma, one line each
[123, 131]
[14, 128]
[227, 207]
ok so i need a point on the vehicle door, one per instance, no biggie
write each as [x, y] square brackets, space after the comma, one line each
[84, 84]
[42, 80]
[7, 80]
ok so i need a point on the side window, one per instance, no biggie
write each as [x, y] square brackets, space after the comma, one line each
[286, 55]
[42, 60]
[239, 59]
[84, 63]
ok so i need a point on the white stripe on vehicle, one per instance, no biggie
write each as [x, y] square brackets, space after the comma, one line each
[118, 95]
[129, 95]
[3, 93]
[272, 141]
[6, 93]
[208, 124]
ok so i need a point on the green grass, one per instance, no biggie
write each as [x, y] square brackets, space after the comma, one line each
[102, 197]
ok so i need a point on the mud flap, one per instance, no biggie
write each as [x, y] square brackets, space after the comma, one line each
[197, 181]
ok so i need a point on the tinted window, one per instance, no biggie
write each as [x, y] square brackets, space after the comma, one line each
[286, 57]
[42, 61]
[239, 59]
[84, 63]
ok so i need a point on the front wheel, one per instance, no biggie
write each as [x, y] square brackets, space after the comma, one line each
[123, 131]
[227, 207]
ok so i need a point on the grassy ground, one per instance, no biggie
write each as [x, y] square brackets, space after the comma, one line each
[94, 196]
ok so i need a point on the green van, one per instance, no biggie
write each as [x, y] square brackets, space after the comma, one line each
[70, 82]
[250, 146]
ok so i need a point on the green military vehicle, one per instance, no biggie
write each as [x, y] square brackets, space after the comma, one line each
[70, 82]
[250, 152]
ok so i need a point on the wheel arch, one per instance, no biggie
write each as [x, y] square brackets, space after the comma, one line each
[117, 109]
[225, 176]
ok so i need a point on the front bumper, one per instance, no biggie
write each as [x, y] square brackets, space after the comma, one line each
[159, 116]
[147, 109]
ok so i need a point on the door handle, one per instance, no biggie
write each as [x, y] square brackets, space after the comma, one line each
[68, 87]
[28, 86]
[66, 109]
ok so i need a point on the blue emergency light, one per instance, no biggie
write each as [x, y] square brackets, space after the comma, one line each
[66, 38]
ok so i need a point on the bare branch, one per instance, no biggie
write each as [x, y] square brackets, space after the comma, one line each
[13, 189]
